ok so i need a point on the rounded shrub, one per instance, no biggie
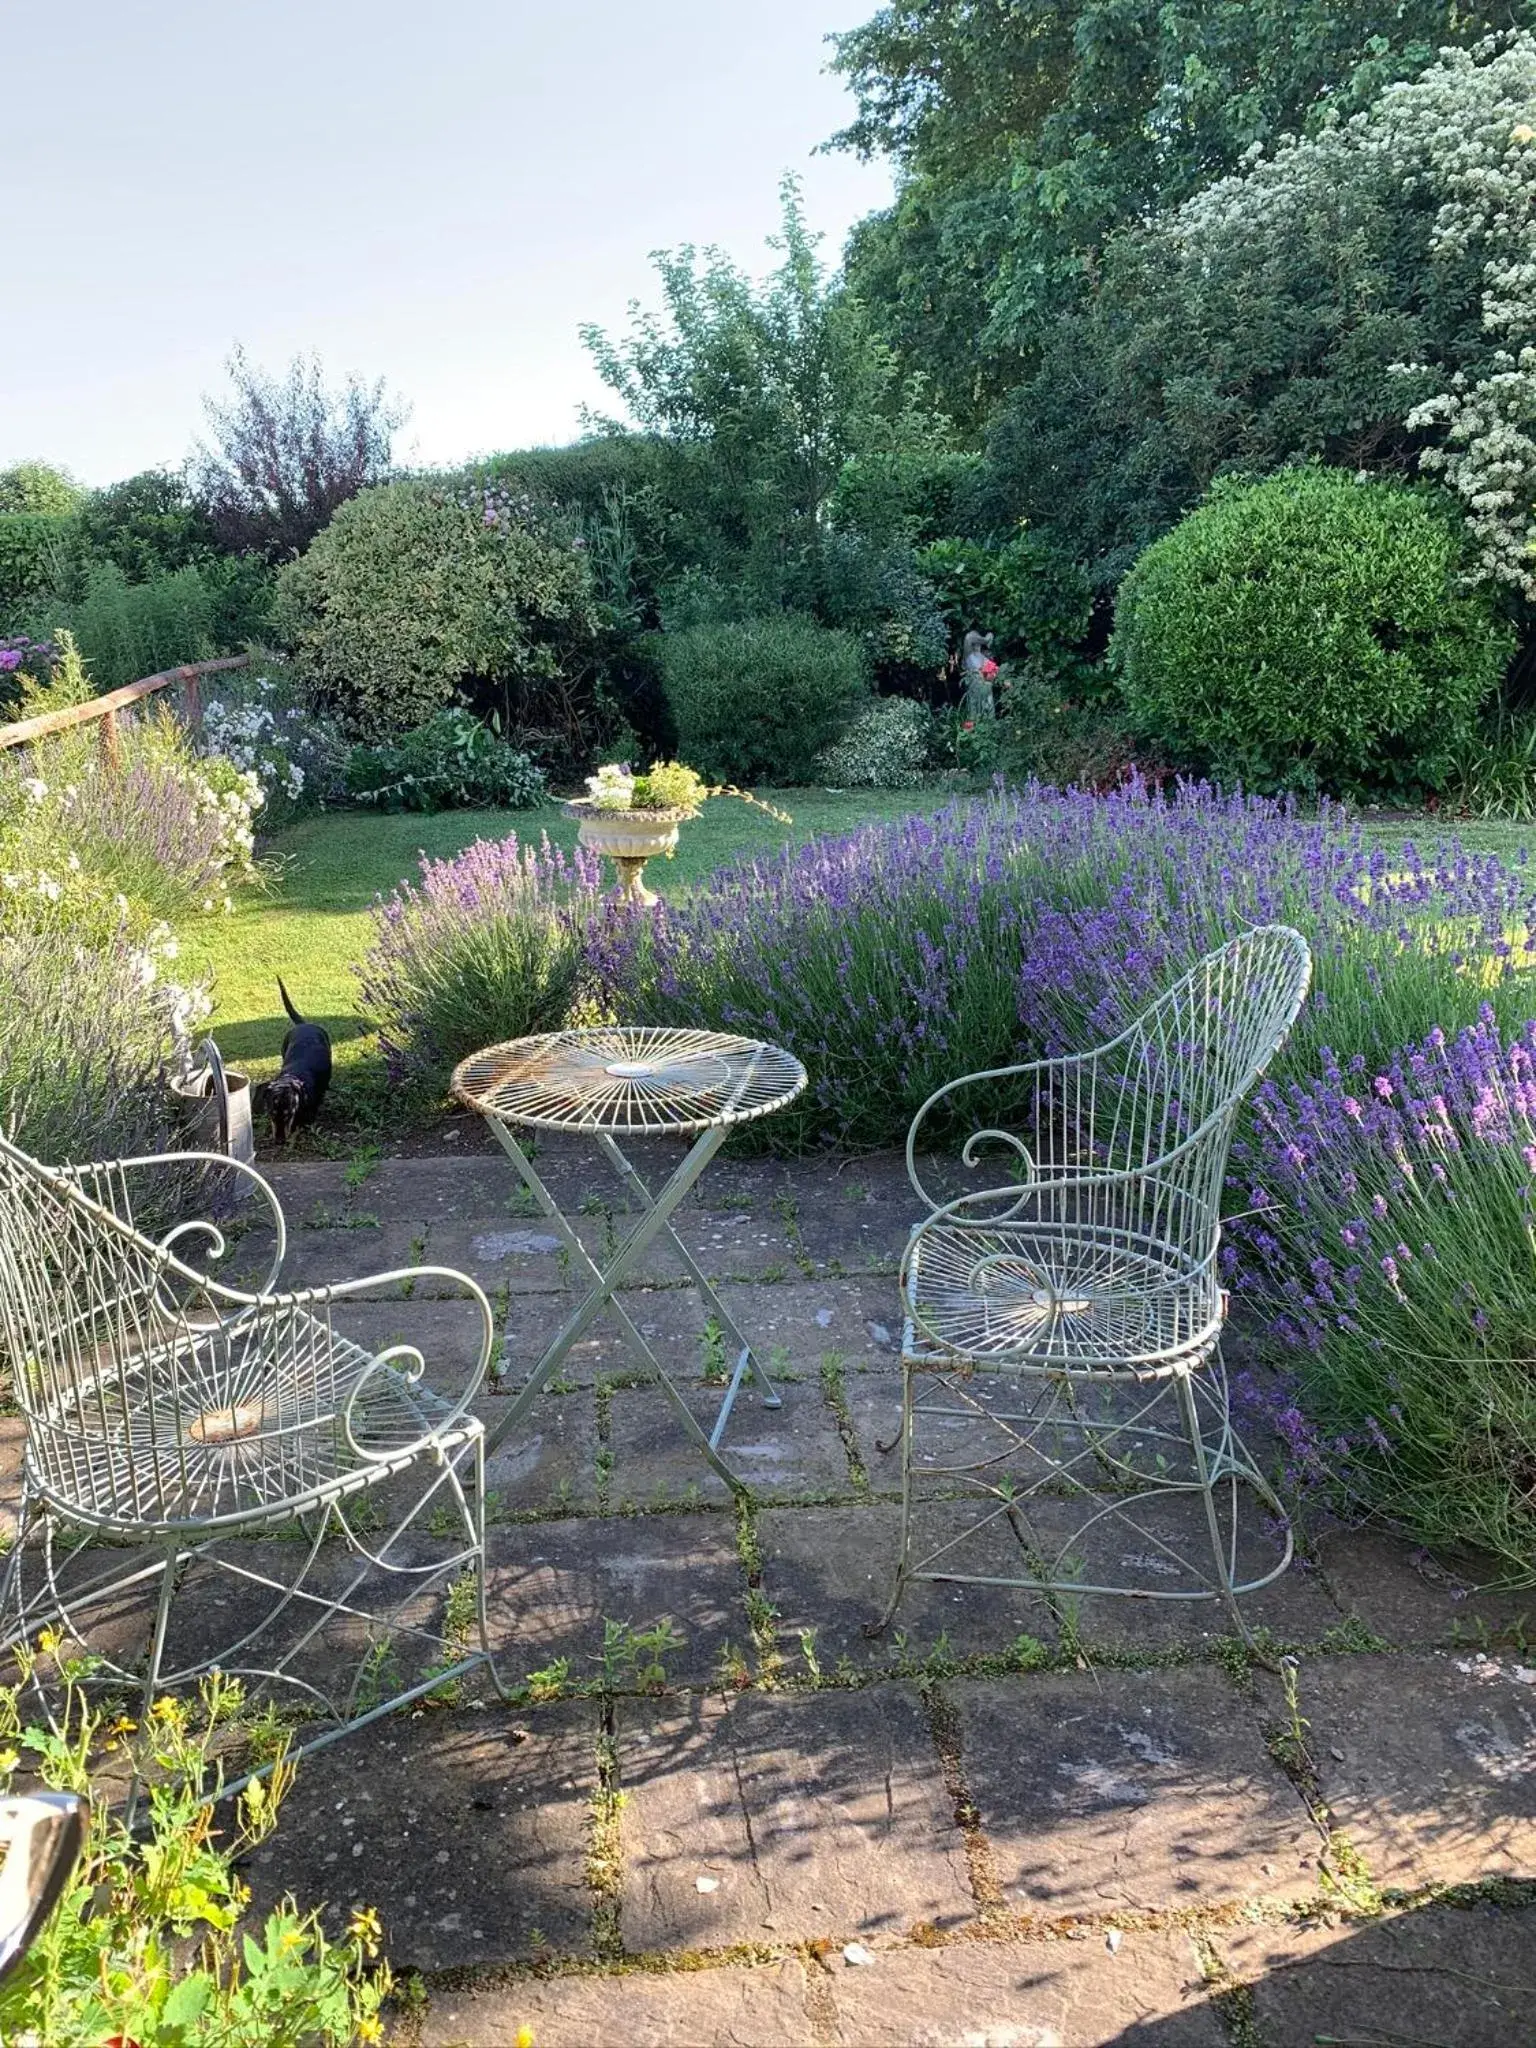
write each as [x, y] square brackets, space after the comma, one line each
[1310, 629]
[758, 701]
[415, 590]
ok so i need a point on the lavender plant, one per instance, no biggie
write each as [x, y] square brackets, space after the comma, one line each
[488, 946]
[89, 1025]
[905, 954]
[1391, 1250]
[166, 832]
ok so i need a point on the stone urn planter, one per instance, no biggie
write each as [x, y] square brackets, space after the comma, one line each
[629, 839]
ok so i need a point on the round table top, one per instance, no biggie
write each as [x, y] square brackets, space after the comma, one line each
[638, 1080]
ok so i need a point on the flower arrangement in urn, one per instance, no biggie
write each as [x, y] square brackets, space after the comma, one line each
[634, 818]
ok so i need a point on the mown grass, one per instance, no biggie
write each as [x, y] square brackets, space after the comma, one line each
[312, 925]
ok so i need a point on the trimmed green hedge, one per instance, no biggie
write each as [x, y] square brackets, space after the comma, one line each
[1310, 630]
[760, 700]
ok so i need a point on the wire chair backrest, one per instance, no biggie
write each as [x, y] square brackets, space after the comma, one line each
[111, 1360]
[1158, 1103]
[1129, 1142]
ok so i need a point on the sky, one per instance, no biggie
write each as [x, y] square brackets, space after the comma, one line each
[437, 192]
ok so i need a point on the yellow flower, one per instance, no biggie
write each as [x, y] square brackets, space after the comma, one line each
[365, 1929]
[1524, 133]
[8, 1762]
[369, 2029]
[49, 1641]
[525, 2037]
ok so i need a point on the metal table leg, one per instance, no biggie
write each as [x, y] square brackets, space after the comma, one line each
[605, 1280]
[746, 1359]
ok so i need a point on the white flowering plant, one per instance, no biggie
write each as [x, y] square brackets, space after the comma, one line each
[265, 722]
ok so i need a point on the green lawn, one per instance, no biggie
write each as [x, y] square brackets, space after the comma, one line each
[312, 926]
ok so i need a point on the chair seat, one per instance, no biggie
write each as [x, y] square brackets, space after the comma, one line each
[1061, 1296]
[237, 1423]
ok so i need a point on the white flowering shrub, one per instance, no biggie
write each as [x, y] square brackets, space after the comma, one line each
[1424, 207]
[263, 721]
[886, 747]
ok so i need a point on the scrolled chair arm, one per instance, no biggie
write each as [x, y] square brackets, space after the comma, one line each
[973, 1144]
[386, 1360]
[99, 1180]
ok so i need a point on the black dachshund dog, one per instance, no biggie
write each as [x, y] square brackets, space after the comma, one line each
[295, 1094]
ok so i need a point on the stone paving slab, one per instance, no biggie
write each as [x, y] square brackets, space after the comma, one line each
[1453, 1977]
[730, 2007]
[1147, 1993]
[464, 1829]
[548, 1463]
[552, 1585]
[781, 1816]
[829, 1570]
[856, 1236]
[1161, 1546]
[794, 1449]
[1409, 1597]
[448, 1334]
[1144, 1790]
[1428, 1763]
[671, 1319]
[808, 1319]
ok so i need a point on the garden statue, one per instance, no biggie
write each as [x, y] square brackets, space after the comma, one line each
[978, 669]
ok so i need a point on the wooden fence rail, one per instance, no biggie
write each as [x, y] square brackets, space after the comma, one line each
[105, 710]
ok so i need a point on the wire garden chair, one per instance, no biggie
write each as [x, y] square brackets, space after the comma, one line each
[220, 1479]
[1061, 1364]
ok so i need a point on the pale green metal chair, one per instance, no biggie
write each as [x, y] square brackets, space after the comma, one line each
[1065, 1421]
[176, 1423]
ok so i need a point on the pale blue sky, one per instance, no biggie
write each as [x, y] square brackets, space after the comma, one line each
[436, 193]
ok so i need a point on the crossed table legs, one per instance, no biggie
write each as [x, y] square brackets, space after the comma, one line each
[655, 1221]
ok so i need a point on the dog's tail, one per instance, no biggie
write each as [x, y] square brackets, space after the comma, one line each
[288, 1002]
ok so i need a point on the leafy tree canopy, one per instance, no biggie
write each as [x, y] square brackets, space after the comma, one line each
[1026, 131]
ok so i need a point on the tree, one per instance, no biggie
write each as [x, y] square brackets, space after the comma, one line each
[761, 393]
[288, 451]
[1025, 132]
[39, 487]
[1362, 295]
[148, 525]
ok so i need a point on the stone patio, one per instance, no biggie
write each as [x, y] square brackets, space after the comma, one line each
[1006, 1823]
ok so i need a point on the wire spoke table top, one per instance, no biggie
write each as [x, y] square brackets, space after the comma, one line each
[631, 1080]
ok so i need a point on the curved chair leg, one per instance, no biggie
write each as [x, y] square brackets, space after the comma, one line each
[904, 1554]
[1207, 1485]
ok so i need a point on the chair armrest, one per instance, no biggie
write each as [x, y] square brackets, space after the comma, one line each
[105, 1182]
[977, 1139]
[405, 1359]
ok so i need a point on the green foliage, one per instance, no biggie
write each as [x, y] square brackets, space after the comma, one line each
[880, 594]
[1048, 732]
[1360, 296]
[668, 786]
[1309, 630]
[886, 747]
[1493, 774]
[149, 1942]
[128, 630]
[917, 494]
[37, 560]
[452, 762]
[38, 487]
[416, 590]
[1025, 134]
[759, 393]
[147, 525]
[759, 701]
[1026, 592]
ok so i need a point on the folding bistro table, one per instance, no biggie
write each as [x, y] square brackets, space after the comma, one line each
[617, 1083]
